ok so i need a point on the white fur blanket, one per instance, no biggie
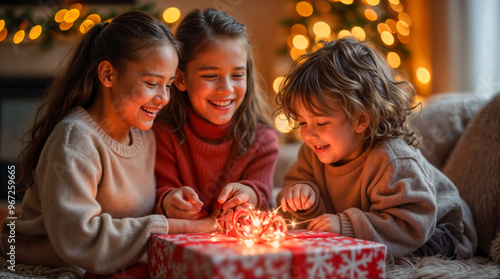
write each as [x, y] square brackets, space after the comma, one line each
[431, 267]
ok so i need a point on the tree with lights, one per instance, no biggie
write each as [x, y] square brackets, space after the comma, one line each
[381, 22]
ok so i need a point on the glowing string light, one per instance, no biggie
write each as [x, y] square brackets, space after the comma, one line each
[254, 226]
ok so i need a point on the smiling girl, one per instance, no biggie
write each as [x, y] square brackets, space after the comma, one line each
[215, 146]
[359, 173]
[89, 165]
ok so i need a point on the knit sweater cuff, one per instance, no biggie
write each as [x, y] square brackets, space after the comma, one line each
[346, 226]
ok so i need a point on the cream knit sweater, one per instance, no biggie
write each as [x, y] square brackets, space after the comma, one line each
[90, 206]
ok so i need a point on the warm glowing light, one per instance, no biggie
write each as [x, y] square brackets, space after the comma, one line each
[359, 33]
[71, 16]
[298, 29]
[59, 17]
[397, 7]
[381, 27]
[19, 36]
[418, 99]
[371, 15]
[304, 9]
[323, 6]
[300, 42]
[171, 15]
[387, 38]
[35, 32]
[395, 2]
[248, 242]
[347, 2]
[2, 24]
[281, 123]
[404, 17]
[391, 23]
[295, 52]
[76, 6]
[276, 244]
[277, 84]
[403, 28]
[3, 34]
[95, 18]
[322, 29]
[423, 75]
[86, 25]
[344, 33]
[253, 226]
[393, 59]
[373, 2]
[404, 39]
[65, 25]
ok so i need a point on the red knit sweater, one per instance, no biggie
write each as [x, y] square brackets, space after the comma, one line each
[207, 167]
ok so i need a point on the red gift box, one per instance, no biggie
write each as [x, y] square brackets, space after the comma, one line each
[303, 254]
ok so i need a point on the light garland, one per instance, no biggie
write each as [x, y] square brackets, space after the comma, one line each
[16, 24]
[254, 226]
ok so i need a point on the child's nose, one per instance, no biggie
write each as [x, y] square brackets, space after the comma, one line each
[309, 133]
[224, 86]
[162, 98]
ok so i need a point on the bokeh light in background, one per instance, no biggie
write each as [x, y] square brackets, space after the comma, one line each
[423, 75]
[171, 15]
[35, 32]
[18, 37]
[383, 23]
[76, 17]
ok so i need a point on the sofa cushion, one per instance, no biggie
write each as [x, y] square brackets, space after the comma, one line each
[442, 121]
[474, 167]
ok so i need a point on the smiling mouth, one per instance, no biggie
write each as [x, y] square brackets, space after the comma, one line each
[150, 110]
[321, 146]
[221, 103]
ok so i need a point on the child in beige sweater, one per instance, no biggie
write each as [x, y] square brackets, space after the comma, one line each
[89, 165]
[359, 172]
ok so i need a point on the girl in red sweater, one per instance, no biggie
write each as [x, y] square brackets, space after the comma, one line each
[216, 149]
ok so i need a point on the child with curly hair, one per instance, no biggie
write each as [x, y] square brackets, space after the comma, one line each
[359, 172]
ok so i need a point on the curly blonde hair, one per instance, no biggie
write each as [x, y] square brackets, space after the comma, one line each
[354, 74]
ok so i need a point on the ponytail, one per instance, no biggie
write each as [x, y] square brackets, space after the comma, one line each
[124, 39]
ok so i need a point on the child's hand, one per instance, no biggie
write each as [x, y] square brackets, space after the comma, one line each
[298, 197]
[326, 223]
[206, 224]
[182, 203]
[235, 194]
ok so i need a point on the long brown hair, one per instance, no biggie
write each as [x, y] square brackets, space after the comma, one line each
[354, 74]
[124, 39]
[198, 31]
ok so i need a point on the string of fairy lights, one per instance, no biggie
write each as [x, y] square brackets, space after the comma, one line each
[23, 25]
[383, 23]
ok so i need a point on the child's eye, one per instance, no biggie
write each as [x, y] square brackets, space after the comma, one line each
[239, 76]
[302, 123]
[152, 84]
[322, 124]
[209, 76]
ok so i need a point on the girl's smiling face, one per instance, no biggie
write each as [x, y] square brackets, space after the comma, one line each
[142, 88]
[333, 137]
[216, 80]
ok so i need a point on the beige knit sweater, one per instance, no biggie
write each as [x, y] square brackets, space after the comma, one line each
[91, 204]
